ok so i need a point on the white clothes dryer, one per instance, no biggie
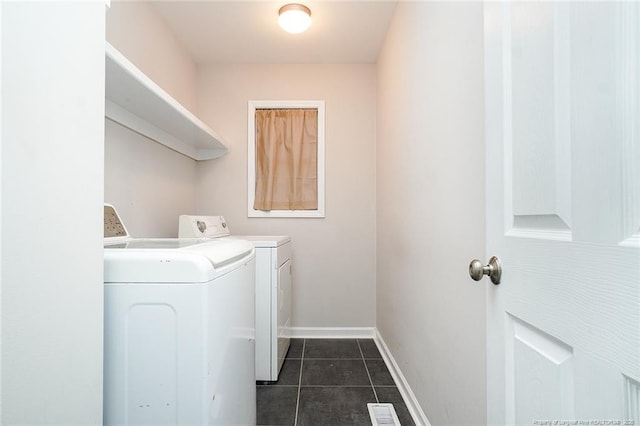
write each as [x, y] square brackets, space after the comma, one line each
[179, 330]
[273, 288]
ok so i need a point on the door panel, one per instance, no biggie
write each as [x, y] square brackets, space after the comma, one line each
[563, 147]
[543, 379]
[597, 92]
[540, 105]
[631, 399]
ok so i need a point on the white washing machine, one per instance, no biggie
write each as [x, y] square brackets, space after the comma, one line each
[179, 330]
[273, 289]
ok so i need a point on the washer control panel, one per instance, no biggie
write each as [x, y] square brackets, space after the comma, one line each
[113, 226]
[202, 227]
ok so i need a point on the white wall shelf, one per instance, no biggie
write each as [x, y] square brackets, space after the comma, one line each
[136, 102]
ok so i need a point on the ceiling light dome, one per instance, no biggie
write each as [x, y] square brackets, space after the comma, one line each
[294, 18]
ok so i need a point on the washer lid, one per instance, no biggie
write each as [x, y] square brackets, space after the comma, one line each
[172, 260]
[153, 243]
[265, 240]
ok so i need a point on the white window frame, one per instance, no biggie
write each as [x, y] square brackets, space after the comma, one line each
[251, 155]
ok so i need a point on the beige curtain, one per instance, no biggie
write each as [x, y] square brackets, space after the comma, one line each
[286, 159]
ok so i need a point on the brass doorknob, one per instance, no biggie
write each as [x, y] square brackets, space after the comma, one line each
[477, 270]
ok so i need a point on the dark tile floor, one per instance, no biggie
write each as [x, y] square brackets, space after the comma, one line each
[329, 382]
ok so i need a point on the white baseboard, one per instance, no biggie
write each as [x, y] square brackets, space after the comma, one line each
[419, 418]
[333, 332]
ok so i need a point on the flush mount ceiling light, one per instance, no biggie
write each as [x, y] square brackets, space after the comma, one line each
[294, 18]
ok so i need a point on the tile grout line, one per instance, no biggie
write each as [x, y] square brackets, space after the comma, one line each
[340, 386]
[368, 375]
[335, 359]
[295, 421]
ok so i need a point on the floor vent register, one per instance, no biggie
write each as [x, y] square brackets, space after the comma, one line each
[383, 414]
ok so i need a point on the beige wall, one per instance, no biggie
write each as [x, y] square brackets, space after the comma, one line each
[140, 34]
[149, 184]
[430, 186]
[334, 257]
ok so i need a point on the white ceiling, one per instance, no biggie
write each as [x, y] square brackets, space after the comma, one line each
[247, 31]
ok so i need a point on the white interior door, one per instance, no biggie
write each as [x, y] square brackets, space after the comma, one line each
[563, 211]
